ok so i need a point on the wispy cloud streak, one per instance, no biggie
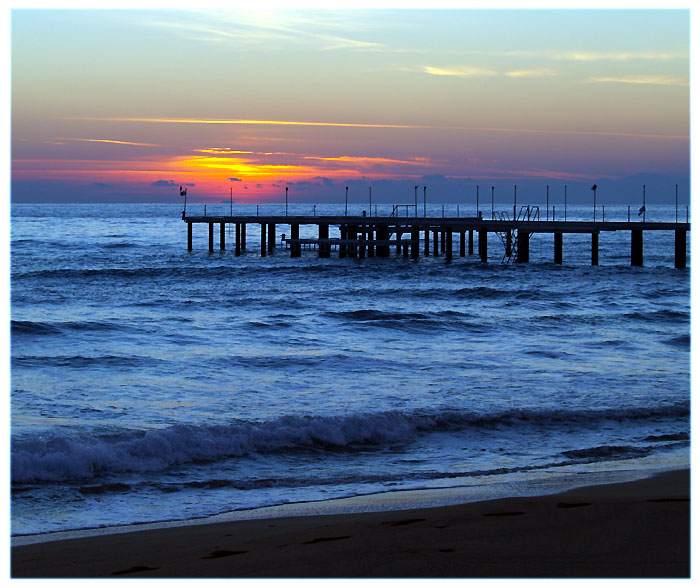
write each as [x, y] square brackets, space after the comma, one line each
[108, 141]
[376, 126]
[640, 79]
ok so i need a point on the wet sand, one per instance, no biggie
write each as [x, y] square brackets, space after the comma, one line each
[629, 530]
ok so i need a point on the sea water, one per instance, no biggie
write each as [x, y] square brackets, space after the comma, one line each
[150, 384]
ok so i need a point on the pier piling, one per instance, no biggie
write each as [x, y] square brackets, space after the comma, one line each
[471, 242]
[462, 248]
[637, 248]
[415, 242]
[382, 235]
[263, 244]
[211, 236]
[680, 256]
[238, 239]
[222, 236]
[558, 247]
[483, 245]
[523, 253]
[594, 248]
[295, 249]
[324, 249]
[448, 244]
[189, 236]
[270, 236]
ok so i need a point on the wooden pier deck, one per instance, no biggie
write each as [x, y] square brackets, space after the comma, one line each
[361, 236]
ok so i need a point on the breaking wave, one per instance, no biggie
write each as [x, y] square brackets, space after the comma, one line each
[74, 457]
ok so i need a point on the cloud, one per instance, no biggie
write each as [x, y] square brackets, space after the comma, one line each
[379, 125]
[235, 179]
[619, 56]
[108, 141]
[640, 79]
[531, 73]
[463, 71]
[326, 181]
[327, 30]
[164, 183]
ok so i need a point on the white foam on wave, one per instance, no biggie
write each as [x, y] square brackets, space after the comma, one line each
[76, 457]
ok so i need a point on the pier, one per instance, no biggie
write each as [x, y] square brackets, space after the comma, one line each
[369, 236]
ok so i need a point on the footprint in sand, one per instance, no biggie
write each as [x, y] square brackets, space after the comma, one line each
[133, 570]
[222, 553]
[504, 514]
[402, 522]
[323, 539]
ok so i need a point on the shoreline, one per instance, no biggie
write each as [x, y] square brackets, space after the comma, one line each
[474, 489]
[635, 528]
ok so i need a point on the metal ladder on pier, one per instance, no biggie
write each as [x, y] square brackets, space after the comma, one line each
[526, 213]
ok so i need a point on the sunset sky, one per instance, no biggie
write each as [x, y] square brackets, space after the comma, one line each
[128, 105]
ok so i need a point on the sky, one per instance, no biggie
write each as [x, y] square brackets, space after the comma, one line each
[129, 105]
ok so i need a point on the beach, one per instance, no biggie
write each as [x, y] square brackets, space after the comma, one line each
[637, 529]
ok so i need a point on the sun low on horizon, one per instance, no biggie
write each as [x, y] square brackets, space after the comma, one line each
[131, 104]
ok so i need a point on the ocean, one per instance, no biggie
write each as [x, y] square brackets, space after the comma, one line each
[152, 384]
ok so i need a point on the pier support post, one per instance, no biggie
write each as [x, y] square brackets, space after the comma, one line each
[189, 236]
[471, 241]
[222, 236]
[509, 244]
[263, 244]
[238, 239]
[442, 241]
[558, 247]
[324, 249]
[370, 237]
[352, 234]
[436, 243]
[680, 248]
[243, 236]
[415, 242]
[594, 247]
[271, 236]
[462, 244]
[399, 234]
[637, 248]
[211, 236]
[483, 245]
[382, 235]
[296, 247]
[426, 244]
[343, 249]
[448, 244]
[523, 255]
[404, 244]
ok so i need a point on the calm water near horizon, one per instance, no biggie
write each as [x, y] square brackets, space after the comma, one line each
[149, 383]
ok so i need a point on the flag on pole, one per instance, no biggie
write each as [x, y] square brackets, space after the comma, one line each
[642, 210]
